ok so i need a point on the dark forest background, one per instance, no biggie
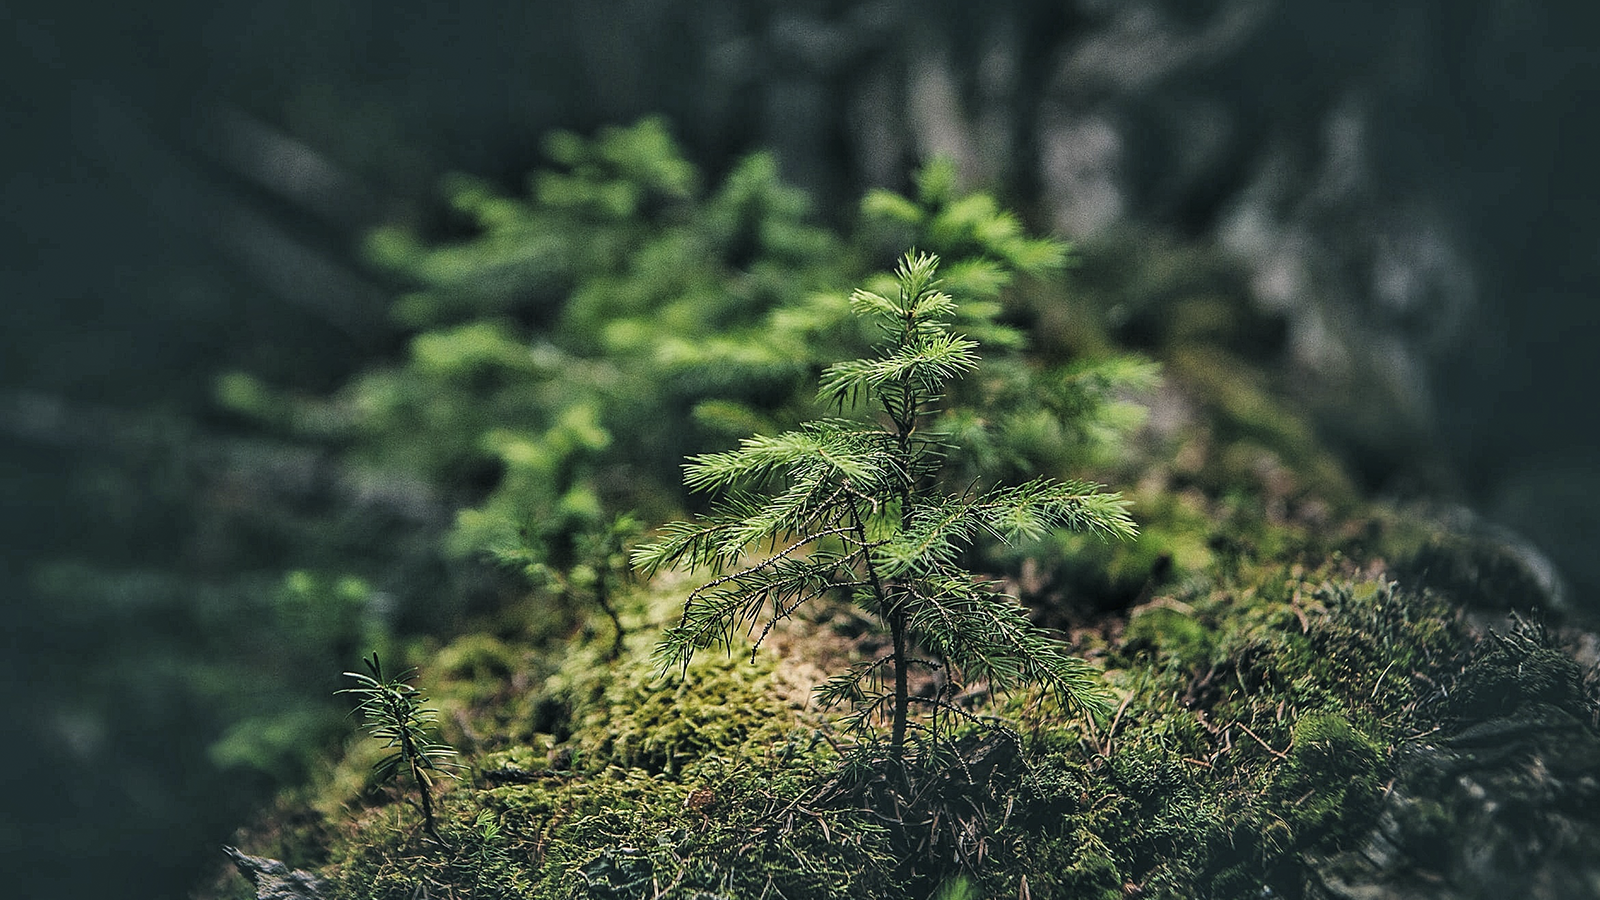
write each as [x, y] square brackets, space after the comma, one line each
[1410, 187]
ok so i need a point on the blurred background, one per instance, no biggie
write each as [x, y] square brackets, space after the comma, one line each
[1408, 187]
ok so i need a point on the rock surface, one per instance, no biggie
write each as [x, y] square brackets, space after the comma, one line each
[1502, 802]
[276, 881]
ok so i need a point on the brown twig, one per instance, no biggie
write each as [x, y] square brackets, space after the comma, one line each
[1264, 744]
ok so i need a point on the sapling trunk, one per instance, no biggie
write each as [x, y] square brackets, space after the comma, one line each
[902, 697]
[603, 597]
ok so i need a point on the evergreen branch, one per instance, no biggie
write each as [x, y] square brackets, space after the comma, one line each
[393, 712]
[1030, 510]
[987, 637]
[846, 686]
[781, 612]
[864, 302]
[865, 707]
[933, 537]
[934, 359]
[713, 611]
[722, 540]
[845, 452]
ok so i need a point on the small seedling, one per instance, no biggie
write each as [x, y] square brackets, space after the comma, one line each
[863, 507]
[602, 567]
[394, 713]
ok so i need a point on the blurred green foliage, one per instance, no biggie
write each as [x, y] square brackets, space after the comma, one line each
[620, 315]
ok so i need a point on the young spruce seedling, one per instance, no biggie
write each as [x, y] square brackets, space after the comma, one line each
[394, 713]
[856, 506]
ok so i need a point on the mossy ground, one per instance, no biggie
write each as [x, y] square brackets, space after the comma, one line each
[1262, 710]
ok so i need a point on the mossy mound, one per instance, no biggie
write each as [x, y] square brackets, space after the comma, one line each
[606, 779]
[1267, 717]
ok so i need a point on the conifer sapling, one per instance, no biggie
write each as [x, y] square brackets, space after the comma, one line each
[857, 506]
[394, 713]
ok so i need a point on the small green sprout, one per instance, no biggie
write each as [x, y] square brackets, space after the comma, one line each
[393, 711]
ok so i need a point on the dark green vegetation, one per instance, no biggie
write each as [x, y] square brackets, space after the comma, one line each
[1278, 698]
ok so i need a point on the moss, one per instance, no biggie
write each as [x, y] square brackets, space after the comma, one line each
[1263, 701]
[621, 834]
[1171, 630]
[479, 658]
[1261, 709]
[1485, 571]
[633, 717]
[1076, 864]
[1516, 671]
[596, 780]
[1328, 787]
